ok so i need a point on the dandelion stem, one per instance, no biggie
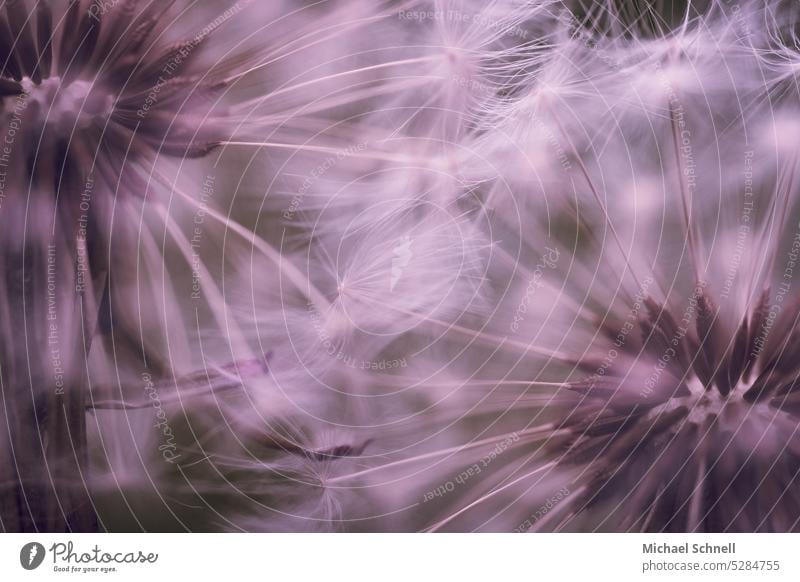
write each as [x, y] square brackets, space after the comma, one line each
[481, 335]
[488, 496]
[685, 203]
[327, 150]
[305, 84]
[598, 199]
[294, 275]
[545, 431]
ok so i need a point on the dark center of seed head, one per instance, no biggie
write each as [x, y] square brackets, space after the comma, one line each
[72, 104]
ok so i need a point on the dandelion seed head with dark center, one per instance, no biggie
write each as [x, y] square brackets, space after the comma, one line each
[94, 92]
[94, 99]
[693, 427]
